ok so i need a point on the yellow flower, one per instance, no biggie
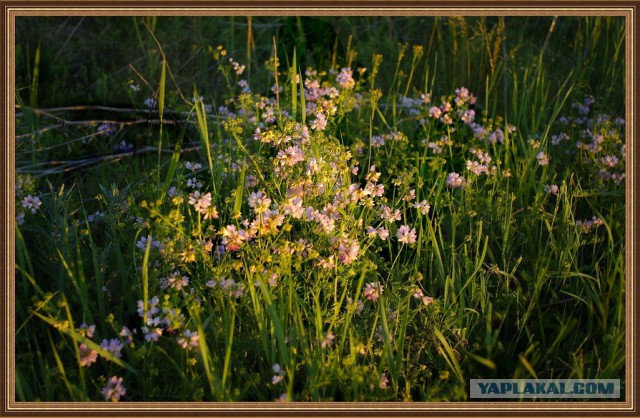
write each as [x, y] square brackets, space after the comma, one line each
[188, 255]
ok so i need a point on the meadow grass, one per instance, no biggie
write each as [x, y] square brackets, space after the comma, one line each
[316, 208]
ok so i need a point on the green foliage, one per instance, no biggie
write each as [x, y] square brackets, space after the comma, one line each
[368, 209]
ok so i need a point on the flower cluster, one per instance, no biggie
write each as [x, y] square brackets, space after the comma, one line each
[373, 291]
[589, 224]
[189, 340]
[114, 389]
[455, 180]
[601, 145]
[26, 201]
[406, 235]
[482, 164]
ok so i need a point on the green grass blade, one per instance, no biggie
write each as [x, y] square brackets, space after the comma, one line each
[303, 104]
[161, 94]
[145, 276]
[230, 324]
[77, 282]
[484, 361]
[528, 366]
[98, 275]
[204, 132]
[276, 322]
[24, 260]
[33, 96]
[449, 356]
[175, 158]
[207, 362]
[92, 345]
[61, 368]
[161, 97]
[294, 85]
[237, 204]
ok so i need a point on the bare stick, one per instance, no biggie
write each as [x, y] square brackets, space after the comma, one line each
[87, 123]
[64, 166]
[84, 108]
[164, 57]
[141, 78]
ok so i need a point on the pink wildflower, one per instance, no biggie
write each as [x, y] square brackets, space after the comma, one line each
[384, 380]
[200, 202]
[435, 112]
[345, 78]
[114, 346]
[88, 356]
[176, 281]
[477, 168]
[610, 160]
[468, 116]
[426, 300]
[423, 207]
[543, 159]
[153, 334]
[259, 202]
[373, 290]
[278, 374]
[86, 330]
[114, 389]
[320, 122]
[327, 341]
[290, 156]
[31, 203]
[189, 340]
[327, 263]
[293, 207]
[383, 233]
[405, 235]
[348, 250]
[456, 180]
[377, 141]
[389, 214]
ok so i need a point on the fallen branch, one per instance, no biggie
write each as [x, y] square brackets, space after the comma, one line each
[64, 166]
[94, 122]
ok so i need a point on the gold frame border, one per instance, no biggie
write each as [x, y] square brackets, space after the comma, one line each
[628, 10]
